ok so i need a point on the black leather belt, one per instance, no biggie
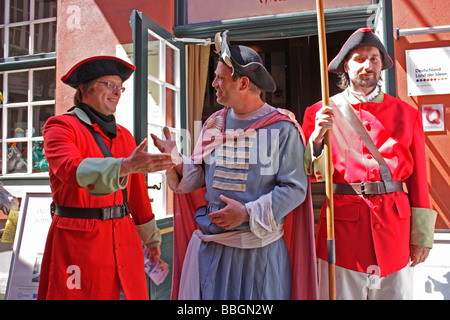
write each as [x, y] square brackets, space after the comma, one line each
[116, 212]
[367, 188]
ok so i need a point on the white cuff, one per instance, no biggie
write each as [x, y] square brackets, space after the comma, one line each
[262, 222]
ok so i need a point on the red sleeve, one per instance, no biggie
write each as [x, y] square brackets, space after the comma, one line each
[309, 119]
[418, 182]
[138, 199]
[60, 147]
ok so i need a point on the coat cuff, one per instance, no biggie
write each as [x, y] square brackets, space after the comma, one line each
[149, 234]
[261, 220]
[100, 176]
[422, 226]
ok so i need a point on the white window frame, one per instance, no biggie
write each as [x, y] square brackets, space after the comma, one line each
[29, 62]
[29, 139]
[32, 22]
[157, 182]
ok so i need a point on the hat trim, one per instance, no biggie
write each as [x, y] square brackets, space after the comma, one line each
[343, 46]
[366, 29]
[67, 75]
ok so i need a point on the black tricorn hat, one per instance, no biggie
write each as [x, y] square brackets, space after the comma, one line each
[95, 67]
[360, 38]
[245, 61]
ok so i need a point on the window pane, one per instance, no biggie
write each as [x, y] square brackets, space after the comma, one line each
[17, 154]
[2, 12]
[170, 107]
[2, 40]
[155, 114]
[40, 115]
[17, 87]
[153, 56]
[19, 10]
[1, 89]
[44, 85]
[40, 164]
[18, 41]
[44, 37]
[170, 65]
[17, 121]
[44, 9]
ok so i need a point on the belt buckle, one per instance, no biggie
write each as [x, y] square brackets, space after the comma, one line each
[106, 213]
[363, 188]
[376, 187]
[117, 212]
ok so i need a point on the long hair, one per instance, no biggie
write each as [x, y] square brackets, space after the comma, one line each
[344, 80]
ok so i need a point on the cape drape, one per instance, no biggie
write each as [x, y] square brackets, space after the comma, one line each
[298, 226]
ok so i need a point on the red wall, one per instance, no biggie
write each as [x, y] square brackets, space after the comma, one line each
[414, 14]
[88, 28]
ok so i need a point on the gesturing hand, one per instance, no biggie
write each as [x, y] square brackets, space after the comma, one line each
[168, 146]
[141, 161]
[233, 215]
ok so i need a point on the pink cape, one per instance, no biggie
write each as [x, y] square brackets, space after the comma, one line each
[298, 227]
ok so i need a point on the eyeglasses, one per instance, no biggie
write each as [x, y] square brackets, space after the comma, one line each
[112, 86]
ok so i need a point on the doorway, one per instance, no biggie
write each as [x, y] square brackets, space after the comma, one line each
[294, 64]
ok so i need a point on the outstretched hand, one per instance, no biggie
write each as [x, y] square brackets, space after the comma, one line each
[141, 161]
[168, 146]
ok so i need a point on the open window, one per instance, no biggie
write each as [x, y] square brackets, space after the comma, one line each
[161, 94]
[158, 97]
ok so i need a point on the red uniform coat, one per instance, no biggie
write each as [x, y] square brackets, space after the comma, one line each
[96, 256]
[372, 233]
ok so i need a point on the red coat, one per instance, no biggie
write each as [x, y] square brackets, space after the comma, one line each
[108, 253]
[373, 233]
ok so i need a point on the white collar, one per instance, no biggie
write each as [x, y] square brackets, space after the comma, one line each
[362, 97]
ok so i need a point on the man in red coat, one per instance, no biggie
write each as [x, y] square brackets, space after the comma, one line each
[378, 226]
[93, 250]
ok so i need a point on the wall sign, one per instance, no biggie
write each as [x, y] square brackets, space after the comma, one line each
[433, 117]
[428, 71]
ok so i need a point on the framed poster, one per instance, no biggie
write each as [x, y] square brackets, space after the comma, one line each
[428, 71]
[29, 243]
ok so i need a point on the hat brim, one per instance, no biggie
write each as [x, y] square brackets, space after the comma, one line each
[360, 38]
[96, 67]
[245, 61]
